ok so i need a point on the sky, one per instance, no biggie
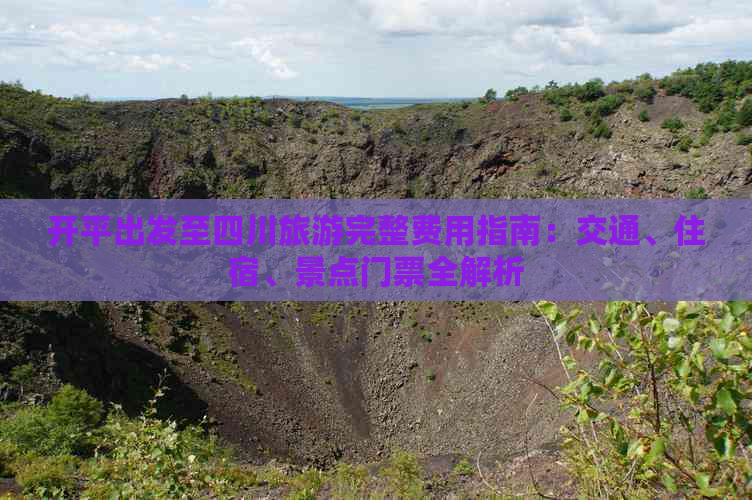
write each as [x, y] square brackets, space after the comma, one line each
[355, 48]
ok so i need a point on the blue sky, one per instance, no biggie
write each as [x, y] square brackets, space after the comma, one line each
[374, 48]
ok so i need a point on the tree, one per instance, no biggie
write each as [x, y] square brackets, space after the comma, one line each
[644, 90]
[72, 406]
[609, 104]
[744, 116]
[727, 116]
[514, 94]
[590, 91]
[22, 375]
[490, 95]
[663, 410]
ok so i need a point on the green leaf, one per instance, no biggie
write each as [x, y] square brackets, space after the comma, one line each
[619, 437]
[724, 445]
[719, 348]
[739, 308]
[611, 377]
[573, 314]
[724, 401]
[683, 369]
[745, 341]
[594, 325]
[669, 483]
[681, 308]
[656, 452]
[582, 416]
[561, 328]
[569, 362]
[549, 310]
[702, 480]
[727, 323]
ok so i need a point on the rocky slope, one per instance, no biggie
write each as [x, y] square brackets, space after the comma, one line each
[320, 382]
[313, 382]
[275, 149]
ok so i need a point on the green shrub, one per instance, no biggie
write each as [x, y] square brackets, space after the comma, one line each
[744, 139]
[744, 117]
[709, 129]
[8, 454]
[307, 484]
[745, 88]
[565, 115]
[673, 124]
[71, 406]
[644, 91]
[609, 104]
[684, 144]
[514, 94]
[52, 118]
[296, 120]
[22, 375]
[697, 193]
[709, 84]
[156, 459]
[302, 495]
[599, 129]
[61, 428]
[625, 87]
[349, 481]
[32, 430]
[590, 91]
[464, 468]
[264, 118]
[727, 116]
[643, 116]
[490, 95]
[664, 411]
[405, 476]
[557, 96]
[47, 477]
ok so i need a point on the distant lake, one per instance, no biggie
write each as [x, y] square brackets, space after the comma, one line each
[367, 103]
[364, 103]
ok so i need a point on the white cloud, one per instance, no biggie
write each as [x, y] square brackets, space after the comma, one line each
[153, 62]
[467, 16]
[568, 46]
[358, 47]
[262, 54]
[643, 16]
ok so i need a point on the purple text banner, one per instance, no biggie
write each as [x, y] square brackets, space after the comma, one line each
[385, 250]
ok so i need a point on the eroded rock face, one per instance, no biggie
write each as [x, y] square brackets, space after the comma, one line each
[250, 148]
[311, 383]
